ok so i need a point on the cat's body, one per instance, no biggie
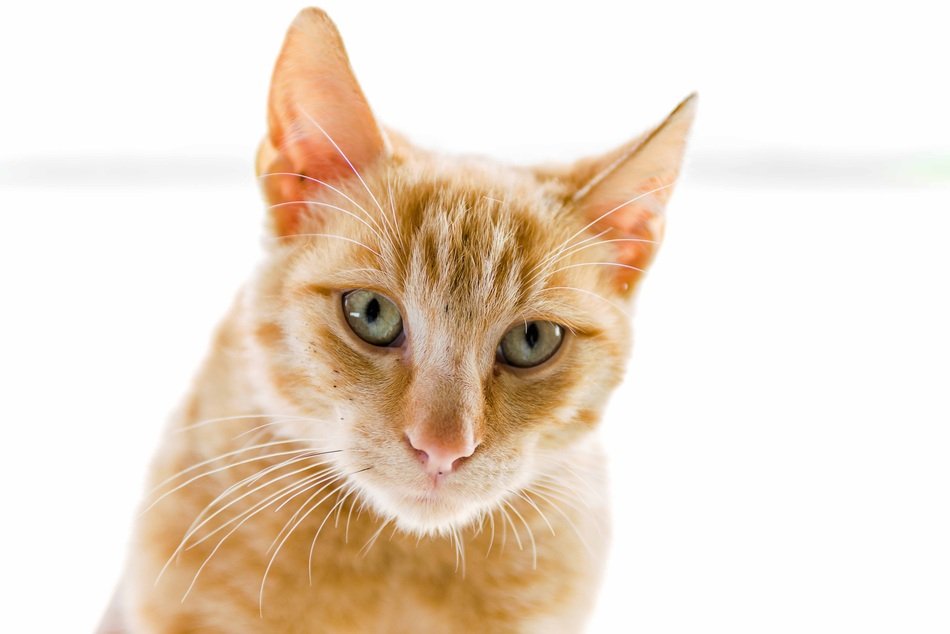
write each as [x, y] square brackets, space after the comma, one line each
[360, 453]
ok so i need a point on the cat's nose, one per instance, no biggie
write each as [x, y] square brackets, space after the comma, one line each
[440, 456]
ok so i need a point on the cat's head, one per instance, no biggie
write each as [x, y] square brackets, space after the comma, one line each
[453, 327]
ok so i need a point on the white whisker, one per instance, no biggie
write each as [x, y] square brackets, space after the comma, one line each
[347, 159]
[557, 253]
[617, 264]
[372, 540]
[313, 544]
[329, 206]
[567, 518]
[216, 547]
[328, 235]
[614, 210]
[228, 455]
[586, 292]
[524, 496]
[534, 546]
[225, 468]
[514, 529]
[491, 541]
[248, 481]
[369, 216]
[286, 489]
[287, 536]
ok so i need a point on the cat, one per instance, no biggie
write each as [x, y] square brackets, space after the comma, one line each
[395, 428]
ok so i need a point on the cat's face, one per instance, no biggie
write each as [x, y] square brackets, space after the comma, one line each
[450, 329]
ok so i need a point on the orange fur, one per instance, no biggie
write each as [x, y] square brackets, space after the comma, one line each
[515, 539]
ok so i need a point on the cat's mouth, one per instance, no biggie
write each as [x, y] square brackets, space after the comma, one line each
[434, 491]
[424, 508]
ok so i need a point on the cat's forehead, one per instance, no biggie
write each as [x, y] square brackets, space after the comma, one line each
[474, 242]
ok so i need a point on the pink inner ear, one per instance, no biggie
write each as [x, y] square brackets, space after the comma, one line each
[634, 235]
[634, 221]
[319, 121]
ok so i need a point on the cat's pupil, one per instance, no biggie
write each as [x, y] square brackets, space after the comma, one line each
[531, 335]
[372, 310]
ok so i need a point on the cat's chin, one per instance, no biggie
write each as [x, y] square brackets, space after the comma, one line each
[424, 512]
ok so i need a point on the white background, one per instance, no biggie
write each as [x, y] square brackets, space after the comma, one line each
[780, 449]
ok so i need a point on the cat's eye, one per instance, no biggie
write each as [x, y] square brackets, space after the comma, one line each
[531, 343]
[373, 317]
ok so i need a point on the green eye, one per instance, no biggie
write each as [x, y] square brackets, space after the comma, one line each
[530, 344]
[374, 318]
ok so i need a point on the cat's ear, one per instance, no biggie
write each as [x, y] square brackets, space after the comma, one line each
[627, 198]
[320, 127]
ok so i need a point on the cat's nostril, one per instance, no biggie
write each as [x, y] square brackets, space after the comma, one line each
[459, 461]
[422, 456]
[420, 453]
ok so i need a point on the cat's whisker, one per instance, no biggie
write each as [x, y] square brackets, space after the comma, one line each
[350, 491]
[248, 481]
[286, 489]
[453, 536]
[560, 251]
[327, 475]
[556, 255]
[524, 496]
[514, 528]
[286, 492]
[534, 545]
[554, 489]
[547, 274]
[504, 534]
[555, 503]
[392, 204]
[581, 478]
[566, 243]
[591, 245]
[232, 465]
[372, 540]
[328, 206]
[214, 550]
[579, 264]
[491, 540]
[345, 158]
[557, 509]
[586, 292]
[217, 546]
[328, 235]
[567, 496]
[311, 179]
[223, 419]
[327, 481]
[346, 530]
[290, 532]
[400, 254]
[459, 551]
[558, 477]
[313, 543]
[229, 454]
[281, 421]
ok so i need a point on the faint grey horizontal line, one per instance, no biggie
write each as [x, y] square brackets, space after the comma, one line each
[751, 169]
[821, 168]
[129, 170]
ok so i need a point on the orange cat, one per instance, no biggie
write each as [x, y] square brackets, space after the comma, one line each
[394, 430]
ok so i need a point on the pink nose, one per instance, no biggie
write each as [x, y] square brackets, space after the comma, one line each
[440, 457]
